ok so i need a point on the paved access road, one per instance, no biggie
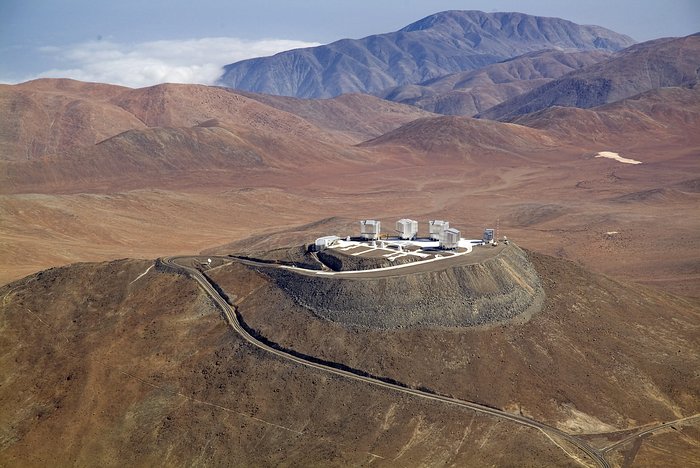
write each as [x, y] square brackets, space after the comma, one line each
[181, 264]
[649, 430]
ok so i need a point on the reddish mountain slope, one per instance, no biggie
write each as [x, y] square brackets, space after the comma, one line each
[668, 116]
[174, 105]
[53, 116]
[359, 116]
[463, 137]
[71, 135]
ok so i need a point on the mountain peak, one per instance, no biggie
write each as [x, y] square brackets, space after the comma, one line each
[464, 17]
[523, 27]
[446, 42]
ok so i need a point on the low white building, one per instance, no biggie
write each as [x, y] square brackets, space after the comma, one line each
[450, 239]
[488, 236]
[436, 228]
[407, 228]
[325, 242]
[370, 229]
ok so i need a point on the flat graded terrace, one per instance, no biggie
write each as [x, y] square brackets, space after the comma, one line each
[362, 256]
[439, 260]
[436, 260]
[393, 248]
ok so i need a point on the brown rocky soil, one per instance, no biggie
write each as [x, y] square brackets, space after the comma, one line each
[101, 366]
[134, 366]
[201, 167]
[572, 364]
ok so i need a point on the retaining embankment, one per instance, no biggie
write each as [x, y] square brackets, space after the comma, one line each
[497, 289]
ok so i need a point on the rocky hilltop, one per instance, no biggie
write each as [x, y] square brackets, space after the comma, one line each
[499, 288]
[443, 43]
[133, 365]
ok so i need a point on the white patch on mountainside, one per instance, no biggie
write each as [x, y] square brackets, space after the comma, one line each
[579, 422]
[616, 157]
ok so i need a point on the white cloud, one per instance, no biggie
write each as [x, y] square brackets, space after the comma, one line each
[149, 63]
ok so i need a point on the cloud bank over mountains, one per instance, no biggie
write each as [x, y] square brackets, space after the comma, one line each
[148, 63]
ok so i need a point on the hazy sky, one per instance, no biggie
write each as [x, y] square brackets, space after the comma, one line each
[143, 42]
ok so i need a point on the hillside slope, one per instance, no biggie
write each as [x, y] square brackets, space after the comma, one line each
[463, 138]
[359, 116]
[468, 93]
[437, 45]
[499, 288]
[50, 116]
[134, 366]
[642, 67]
[665, 116]
[64, 135]
[600, 357]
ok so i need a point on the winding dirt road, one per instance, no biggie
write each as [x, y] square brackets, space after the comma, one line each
[180, 264]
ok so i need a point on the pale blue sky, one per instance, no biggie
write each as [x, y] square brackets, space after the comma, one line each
[188, 40]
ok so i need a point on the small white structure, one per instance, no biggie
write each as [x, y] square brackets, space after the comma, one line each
[450, 239]
[488, 236]
[325, 242]
[436, 228]
[407, 228]
[370, 229]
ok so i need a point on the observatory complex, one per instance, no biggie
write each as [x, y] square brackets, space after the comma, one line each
[442, 241]
[407, 229]
[436, 228]
[370, 229]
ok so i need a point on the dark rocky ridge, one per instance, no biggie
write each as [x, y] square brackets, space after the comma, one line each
[498, 289]
[443, 43]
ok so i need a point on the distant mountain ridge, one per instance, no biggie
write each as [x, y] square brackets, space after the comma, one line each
[660, 63]
[470, 92]
[440, 44]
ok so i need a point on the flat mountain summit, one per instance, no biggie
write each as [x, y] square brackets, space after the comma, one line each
[440, 44]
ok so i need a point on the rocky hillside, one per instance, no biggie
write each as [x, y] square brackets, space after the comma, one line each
[643, 67]
[359, 116]
[464, 138]
[57, 134]
[132, 366]
[500, 288]
[468, 93]
[443, 43]
[600, 357]
[671, 114]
